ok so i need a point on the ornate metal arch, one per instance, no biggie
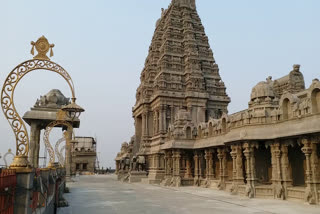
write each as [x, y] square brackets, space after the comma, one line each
[46, 137]
[62, 162]
[56, 149]
[7, 101]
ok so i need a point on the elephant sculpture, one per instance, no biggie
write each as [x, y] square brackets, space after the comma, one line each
[125, 164]
[141, 163]
[133, 166]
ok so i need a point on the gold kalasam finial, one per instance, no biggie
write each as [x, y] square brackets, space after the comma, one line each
[42, 46]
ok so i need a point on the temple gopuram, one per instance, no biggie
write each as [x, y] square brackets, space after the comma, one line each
[185, 136]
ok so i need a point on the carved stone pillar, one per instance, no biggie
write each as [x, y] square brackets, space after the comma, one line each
[162, 119]
[222, 156]
[278, 189]
[250, 168]
[188, 167]
[152, 161]
[311, 190]
[315, 166]
[236, 154]
[146, 132]
[167, 159]
[37, 147]
[176, 157]
[237, 157]
[144, 121]
[157, 161]
[155, 125]
[34, 144]
[233, 154]
[285, 170]
[172, 114]
[177, 160]
[68, 153]
[209, 164]
[201, 170]
[196, 168]
[315, 163]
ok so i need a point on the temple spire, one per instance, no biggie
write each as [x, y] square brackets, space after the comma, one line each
[185, 3]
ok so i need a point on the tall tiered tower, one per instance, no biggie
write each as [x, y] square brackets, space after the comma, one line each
[180, 73]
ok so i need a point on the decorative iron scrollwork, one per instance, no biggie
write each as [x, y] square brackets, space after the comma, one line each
[7, 95]
[46, 140]
[58, 153]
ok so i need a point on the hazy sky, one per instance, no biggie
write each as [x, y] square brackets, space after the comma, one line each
[103, 45]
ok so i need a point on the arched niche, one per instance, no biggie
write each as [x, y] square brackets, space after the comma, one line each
[315, 100]
[286, 109]
[210, 129]
[188, 132]
[224, 125]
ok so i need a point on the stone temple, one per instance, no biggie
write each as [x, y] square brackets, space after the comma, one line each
[185, 136]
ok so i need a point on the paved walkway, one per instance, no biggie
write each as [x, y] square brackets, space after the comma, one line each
[104, 194]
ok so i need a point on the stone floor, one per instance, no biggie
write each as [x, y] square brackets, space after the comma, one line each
[104, 194]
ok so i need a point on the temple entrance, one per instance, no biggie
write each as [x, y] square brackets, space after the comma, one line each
[263, 165]
[297, 165]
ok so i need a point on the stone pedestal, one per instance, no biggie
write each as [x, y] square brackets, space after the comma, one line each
[68, 154]
[137, 176]
[34, 144]
[24, 189]
[156, 176]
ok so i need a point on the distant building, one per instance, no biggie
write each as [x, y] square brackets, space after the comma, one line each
[83, 155]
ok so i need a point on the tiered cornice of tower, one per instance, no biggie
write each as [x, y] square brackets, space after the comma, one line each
[185, 3]
[180, 62]
[180, 58]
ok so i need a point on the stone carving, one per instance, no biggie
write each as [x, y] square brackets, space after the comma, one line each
[54, 99]
[175, 182]
[279, 191]
[141, 163]
[310, 196]
[234, 189]
[249, 191]
[125, 164]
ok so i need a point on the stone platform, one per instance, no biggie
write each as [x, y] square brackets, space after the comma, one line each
[104, 194]
[137, 176]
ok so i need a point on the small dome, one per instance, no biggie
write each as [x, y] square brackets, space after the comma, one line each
[56, 97]
[53, 99]
[262, 90]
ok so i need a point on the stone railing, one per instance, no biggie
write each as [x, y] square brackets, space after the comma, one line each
[289, 107]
